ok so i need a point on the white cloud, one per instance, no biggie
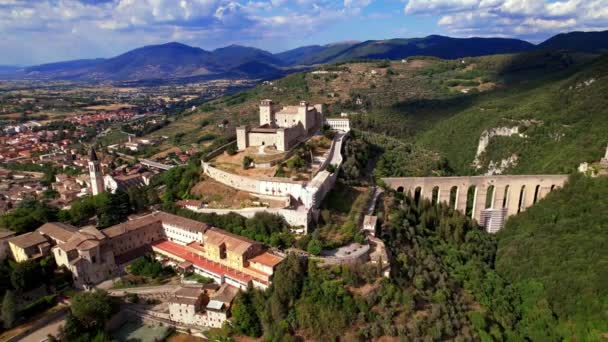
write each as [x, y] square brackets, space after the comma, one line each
[533, 19]
[65, 29]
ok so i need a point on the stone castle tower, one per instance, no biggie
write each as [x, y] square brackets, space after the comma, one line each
[95, 173]
[267, 113]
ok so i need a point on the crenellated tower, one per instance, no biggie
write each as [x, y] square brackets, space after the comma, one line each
[267, 113]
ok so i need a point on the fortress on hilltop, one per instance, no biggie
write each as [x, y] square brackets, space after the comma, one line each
[282, 128]
[280, 133]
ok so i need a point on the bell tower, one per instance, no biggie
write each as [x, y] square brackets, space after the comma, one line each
[95, 173]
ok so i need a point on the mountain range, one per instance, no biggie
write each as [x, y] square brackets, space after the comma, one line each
[179, 61]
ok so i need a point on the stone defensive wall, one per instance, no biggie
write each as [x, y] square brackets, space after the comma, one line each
[275, 186]
[514, 193]
[296, 218]
[310, 193]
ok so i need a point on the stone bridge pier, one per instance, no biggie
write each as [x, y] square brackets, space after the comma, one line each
[507, 195]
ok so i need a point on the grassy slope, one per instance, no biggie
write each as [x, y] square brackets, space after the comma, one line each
[562, 243]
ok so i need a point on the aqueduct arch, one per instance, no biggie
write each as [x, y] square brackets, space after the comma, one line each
[513, 193]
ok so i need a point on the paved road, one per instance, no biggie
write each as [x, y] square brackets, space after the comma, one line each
[42, 333]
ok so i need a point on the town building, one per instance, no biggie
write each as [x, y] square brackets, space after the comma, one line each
[95, 255]
[38, 243]
[281, 128]
[207, 306]
[133, 178]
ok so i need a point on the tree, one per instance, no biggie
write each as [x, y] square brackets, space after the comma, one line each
[26, 275]
[247, 160]
[9, 309]
[231, 150]
[92, 309]
[314, 247]
[246, 320]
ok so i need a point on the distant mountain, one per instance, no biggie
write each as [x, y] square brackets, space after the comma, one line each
[315, 54]
[437, 46]
[165, 61]
[254, 69]
[8, 68]
[590, 42]
[235, 55]
[172, 60]
[175, 61]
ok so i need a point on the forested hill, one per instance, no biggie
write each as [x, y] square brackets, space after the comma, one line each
[561, 118]
[557, 249]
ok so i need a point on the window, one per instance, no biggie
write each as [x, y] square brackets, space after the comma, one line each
[93, 259]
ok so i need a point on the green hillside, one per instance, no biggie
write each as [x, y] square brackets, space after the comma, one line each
[563, 116]
[556, 99]
[559, 246]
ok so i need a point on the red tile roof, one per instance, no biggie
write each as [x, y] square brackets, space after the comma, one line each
[182, 252]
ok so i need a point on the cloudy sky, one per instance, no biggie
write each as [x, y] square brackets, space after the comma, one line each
[39, 31]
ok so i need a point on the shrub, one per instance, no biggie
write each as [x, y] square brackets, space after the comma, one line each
[231, 150]
[247, 160]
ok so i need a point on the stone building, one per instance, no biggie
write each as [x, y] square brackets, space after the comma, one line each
[88, 255]
[96, 255]
[207, 306]
[38, 243]
[281, 128]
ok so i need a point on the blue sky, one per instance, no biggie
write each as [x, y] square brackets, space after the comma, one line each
[39, 31]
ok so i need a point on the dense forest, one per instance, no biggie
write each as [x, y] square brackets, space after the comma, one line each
[443, 285]
[557, 248]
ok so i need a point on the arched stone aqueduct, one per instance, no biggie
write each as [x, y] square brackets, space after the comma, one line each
[514, 193]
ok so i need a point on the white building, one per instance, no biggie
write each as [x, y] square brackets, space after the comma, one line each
[197, 306]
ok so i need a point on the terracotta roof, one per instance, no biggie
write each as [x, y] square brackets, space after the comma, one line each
[28, 240]
[134, 224]
[189, 292]
[84, 239]
[58, 231]
[233, 242]
[180, 252]
[158, 217]
[4, 233]
[267, 259]
[129, 181]
[225, 294]
[182, 222]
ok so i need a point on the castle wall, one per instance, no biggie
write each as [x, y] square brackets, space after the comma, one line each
[296, 218]
[259, 139]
